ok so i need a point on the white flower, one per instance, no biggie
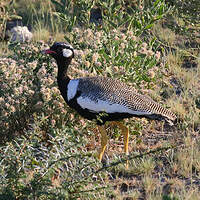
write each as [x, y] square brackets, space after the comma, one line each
[95, 57]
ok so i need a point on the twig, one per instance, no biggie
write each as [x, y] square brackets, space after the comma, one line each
[92, 190]
[131, 157]
[67, 158]
[174, 47]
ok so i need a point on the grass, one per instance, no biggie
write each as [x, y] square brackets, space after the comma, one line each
[47, 151]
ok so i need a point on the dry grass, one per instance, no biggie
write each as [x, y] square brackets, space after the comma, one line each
[166, 35]
[4, 49]
[43, 34]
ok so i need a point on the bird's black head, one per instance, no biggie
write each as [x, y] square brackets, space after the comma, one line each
[61, 52]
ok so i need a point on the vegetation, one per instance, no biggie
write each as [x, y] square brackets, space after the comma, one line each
[47, 151]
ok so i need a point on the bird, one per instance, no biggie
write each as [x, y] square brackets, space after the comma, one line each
[103, 99]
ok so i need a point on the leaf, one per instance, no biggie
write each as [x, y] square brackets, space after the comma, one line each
[137, 24]
[156, 2]
[112, 24]
[15, 17]
[11, 3]
[152, 41]
[106, 56]
[56, 14]
[135, 132]
[161, 10]
[34, 162]
[102, 52]
[117, 8]
[148, 26]
[158, 17]
[126, 20]
[68, 39]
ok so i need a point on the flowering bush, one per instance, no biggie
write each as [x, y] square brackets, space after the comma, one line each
[118, 55]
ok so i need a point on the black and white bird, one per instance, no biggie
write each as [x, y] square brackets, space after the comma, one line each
[102, 98]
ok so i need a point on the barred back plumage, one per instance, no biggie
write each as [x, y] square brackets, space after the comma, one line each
[117, 92]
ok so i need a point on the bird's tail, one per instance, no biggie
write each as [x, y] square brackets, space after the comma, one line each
[169, 119]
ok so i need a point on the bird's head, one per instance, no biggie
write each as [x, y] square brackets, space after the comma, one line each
[61, 52]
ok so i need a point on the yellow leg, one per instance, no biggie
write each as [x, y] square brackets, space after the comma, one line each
[125, 132]
[104, 141]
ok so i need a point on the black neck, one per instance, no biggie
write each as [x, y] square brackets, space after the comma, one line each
[62, 78]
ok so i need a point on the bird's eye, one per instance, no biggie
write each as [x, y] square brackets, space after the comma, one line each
[67, 53]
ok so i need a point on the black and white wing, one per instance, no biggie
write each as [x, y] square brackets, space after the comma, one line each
[101, 94]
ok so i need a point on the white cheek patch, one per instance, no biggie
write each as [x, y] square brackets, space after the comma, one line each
[67, 53]
[105, 106]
